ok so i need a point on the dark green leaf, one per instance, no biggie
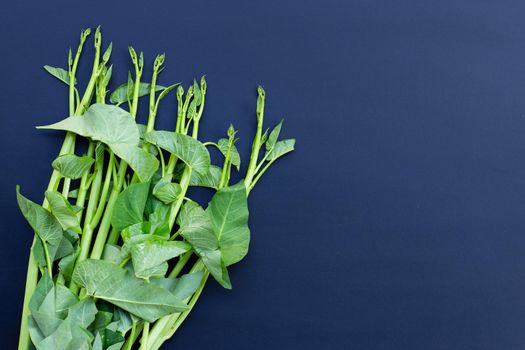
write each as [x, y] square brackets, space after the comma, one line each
[129, 206]
[210, 179]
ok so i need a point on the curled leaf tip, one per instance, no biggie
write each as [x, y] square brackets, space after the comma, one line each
[98, 37]
[203, 84]
[133, 54]
[159, 60]
[180, 92]
[231, 131]
[84, 33]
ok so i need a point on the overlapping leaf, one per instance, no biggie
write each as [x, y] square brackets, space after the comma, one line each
[116, 128]
[72, 166]
[235, 158]
[150, 253]
[118, 286]
[186, 148]
[220, 234]
[129, 207]
[63, 211]
[120, 95]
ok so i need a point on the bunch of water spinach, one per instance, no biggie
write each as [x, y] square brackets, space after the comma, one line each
[120, 253]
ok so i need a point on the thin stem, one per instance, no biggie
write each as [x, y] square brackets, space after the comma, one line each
[131, 336]
[145, 334]
[262, 161]
[103, 231]
[104, 194]
[183, 260]
[165, 327]
[254, 182]
[48, 260]
[256, 146]
[84, 182]
[32, 267]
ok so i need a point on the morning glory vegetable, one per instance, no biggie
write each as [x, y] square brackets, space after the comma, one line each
[121, 252]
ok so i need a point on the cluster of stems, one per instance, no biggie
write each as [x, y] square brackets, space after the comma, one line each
[100, 187]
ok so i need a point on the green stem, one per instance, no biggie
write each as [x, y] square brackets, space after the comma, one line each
[145, 334]
[103, 231]
[175, 207]
[183, 260]
[32, 267]
[131, 336]
[165, 327]
[48, 260]
[256, 145]
[254, 182]
[84, 181]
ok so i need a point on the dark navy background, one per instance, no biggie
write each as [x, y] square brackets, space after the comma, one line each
[398, 222]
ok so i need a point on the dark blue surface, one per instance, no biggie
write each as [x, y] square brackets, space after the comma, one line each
[398, 222]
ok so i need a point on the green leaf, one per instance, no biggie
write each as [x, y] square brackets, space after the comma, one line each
[274, 135]
[120, 95]
[229, 216]
[210, 179]
[112, 340]
[281, 148]
[197, 228]
[116, 128]
[64, 299]
[67, 264]
[234, 153]
[112, 254]
[72, 166]
[83, 313]
[166, 91]
[197, 95]
[123, 321]
[116, 285]
[44, 286]
[158, 222]
[167, 191]
[68, 336]
[150, 251]
[58, 320]
[129, 206]
[97, 343]
[45, 225]
[63, 211]
[102, 320]
[182, 287]
[189, 150]
[59, 73]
